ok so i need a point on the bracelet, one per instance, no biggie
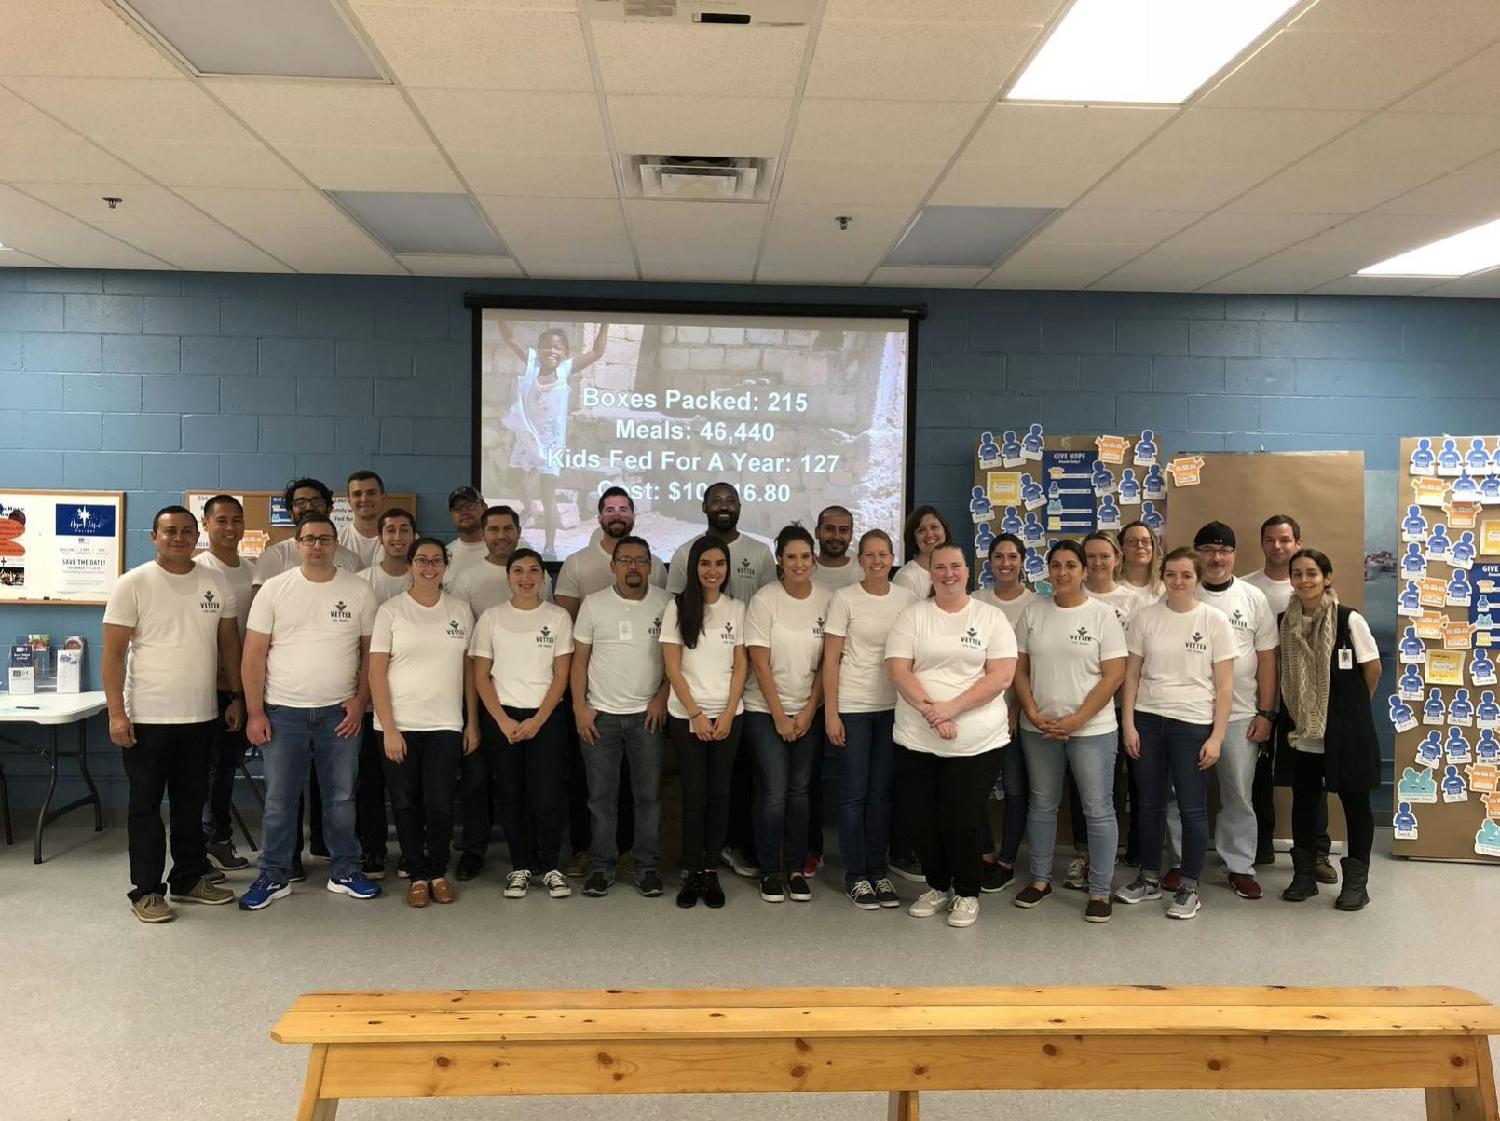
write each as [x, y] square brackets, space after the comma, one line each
[1266, 714]
[695, 715]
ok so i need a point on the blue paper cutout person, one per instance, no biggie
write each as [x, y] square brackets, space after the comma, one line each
[1129, 489]
[979, 504]
[1155, 484]
[1448, 459]
[1488, 710]
[1149, 517]
[1109, 513]
[1453, 782]
[1457, 746]
[1414, 524]
[1054, 499]
[1414, 563]
[1145, 447]
[1411, 645]
[1488, 748]
[1478, 459]
[1438, 541]
[1422, 458]
[988, 449]
[1036, 565]
[986, 576]
[1489, 489]
[1464, 549]
[1411, 598]
[1430, 750]
[1465, 487]
[1434, 709]
[1488, 835]
[1030, 490]
[1032, 441]
[1011, 523]
[1032, 533]
[983, 538]
[1401, 712]
[1461, 708]
[1102, 476]
[1484, 614]
[1411, 681]
[1459, 588]
[1483, 666]
[1010, 447]
[1405, 821]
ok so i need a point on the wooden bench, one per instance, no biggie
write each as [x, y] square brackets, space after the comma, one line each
[903, 1041]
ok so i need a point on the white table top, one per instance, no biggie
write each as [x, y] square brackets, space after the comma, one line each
[50, 708]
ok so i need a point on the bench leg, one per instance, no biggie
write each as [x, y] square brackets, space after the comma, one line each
[312, 1107]
[1467, 1103]
[904, 1106]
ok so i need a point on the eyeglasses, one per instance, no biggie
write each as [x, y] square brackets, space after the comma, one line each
[323, 539]
[308, 504]
[1216, 550]
[428, 562]
[633, 562]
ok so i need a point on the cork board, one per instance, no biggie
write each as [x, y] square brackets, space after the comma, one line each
[264, 521]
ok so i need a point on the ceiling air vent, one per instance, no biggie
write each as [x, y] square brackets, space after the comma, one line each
[762, 13]
[698, 178]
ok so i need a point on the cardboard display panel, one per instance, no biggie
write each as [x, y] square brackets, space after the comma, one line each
[63, 547]
[267, 520]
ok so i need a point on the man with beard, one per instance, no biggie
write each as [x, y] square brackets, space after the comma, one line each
[835, 532]
[484, 584]
[751, 566]
[466, 509]
[588, 570]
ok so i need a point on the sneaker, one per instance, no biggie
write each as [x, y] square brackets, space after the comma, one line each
[811, 865]
[355, 886]
[516, 883]
[771, 889]
[964, 911]
[649, 885]
[1098, 910]
[403, 870]
[1031, 895]
[1245, 886]
[1171, 883]
[1324, 870]
[470, 864]
[152, 908]
[262, 892]
[1265, 856]
[373, 866]
[442, 890]
[908, 867]
[1077, 878]
[596, 885]
[709, 888]
[580, 865]
[557, 885]
[885, 893]
[214, 876]
[742, 865]
[222, 855]
[1185, 904]
[929, 903]
[687, 894]
[798, 888]
[299, 873]
[1138, 890]
[203, 892]
[862, 895]
[996, 877]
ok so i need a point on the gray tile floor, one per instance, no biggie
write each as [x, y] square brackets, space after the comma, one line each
[104, 1019]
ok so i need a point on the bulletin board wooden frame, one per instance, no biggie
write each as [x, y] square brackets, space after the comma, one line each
[257, 504]
[115, 565]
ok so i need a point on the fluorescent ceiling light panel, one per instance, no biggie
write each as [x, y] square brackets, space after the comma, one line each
[285, 38]
[1142, 51]
[965, 236]
[412, 222]
[1471, 251]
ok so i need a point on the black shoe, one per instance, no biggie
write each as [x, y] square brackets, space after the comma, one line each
[798, 889]
[298, 872]
[885, 893]
[1265, 855]
[403, 869]
[596, 885]
[771, 889]
[687, 894]
[995, 878]
[1030, 895]
[711, 890]
[1098, 910]
[908, 867]
[470, 864]
[373, 866]
[649, 885]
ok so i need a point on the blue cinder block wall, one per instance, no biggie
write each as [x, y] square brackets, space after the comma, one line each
[156, 382]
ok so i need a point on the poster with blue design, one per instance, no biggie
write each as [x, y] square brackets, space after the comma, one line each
[1068, 479]
[1484, 606]
[64, 547]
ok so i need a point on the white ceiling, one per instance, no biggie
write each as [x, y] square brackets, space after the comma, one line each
[1355, 130]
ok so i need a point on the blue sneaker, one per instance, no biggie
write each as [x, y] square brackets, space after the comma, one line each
[262, 892]
[356, 885]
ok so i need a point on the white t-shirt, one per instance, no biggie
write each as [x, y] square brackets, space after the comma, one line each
[1254, 627]
[1365, 650]
[1011, 607]
[485, 585]
[523, 647]
[751, 567]
[367, 549]
[464, 554]
[835, 578]
[427, 646]
[709, 666]
[240, 578]
[948, 651]
[1148, 595]
[315, 630]
[792, 629]
[386, 587]
[172, 663]
[863, 621]
[912, 575]
[1178, 650]
[624, 638]
[1125, 601]
[1278, 593]
[283, 557]
[1067, 647]
[588, 571]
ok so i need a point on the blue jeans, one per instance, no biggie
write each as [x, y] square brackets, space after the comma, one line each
[785, 772]
[300, 735]
[865, 763]
[1169, 754]
[1091, 759]
[624, 737]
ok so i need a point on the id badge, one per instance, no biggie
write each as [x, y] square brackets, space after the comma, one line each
[1346, 658]
[627, 633]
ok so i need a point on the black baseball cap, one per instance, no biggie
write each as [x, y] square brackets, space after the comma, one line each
[459, 496]
[1214, 533]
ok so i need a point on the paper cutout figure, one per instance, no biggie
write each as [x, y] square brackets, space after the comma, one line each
[1402, 715]
[1036, 565]
[1150, 517]
[1462, 552]
[1129, 490]
[1484, 612]
[1111, 448]
[1032, 532]
[1487, 713]
[1011, 523]
[1429, 492]
[1054, 501]
[1438, 543]
[1032, 494]
[1422, 459]
[979, 506]
[1186, 470]
[1414, 525]
[1487, 839]
[1417, 786]
[1413, 688]
[1482, 668]
[1464, 487]
[984, 537]
[1109, 513]
[986, 576]
[1405, 822]
[1412, 650]
[1460, 591]
[989, 451]
[1433, 709]
[1453, 786]
[1043, 588]
[1478, 459]
[1010, 450]
[1457, 747]
[1460, 709]
[1448, 460]
[1145, 449]
[1031, 443]
[1487, 750]
[1102, 480]
[1489, 488]
[1414, 563]
[1154, 486]
[1430, 750]
[1410, 601]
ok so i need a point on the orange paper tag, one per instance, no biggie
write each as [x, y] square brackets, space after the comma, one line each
[1112, 448]
[1187, 470]
[1430, 625]
[1433, 590]
[1462, 515]
[1492, 804]
[1484, 777]
[1457, 635]
[1429, 491]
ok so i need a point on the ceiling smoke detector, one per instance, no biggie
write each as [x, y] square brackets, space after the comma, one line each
[744, 13]
[698, 178]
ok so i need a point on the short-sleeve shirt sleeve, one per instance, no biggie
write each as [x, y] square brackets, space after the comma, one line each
[759, 618]
[564, 635]
[1002, 638]
[837, 622]
[1221, 644]
[902, 641]
[1266, 635]
[583, 629]
[122, 610]
[380, 637]
[1111, 637]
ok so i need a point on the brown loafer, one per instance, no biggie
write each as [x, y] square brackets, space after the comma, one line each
[442, 890]
[417, 893]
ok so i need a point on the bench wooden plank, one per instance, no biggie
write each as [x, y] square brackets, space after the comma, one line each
[1467, 1103]
[483, 1024]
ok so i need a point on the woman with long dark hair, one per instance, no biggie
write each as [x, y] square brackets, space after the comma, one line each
[925, 530]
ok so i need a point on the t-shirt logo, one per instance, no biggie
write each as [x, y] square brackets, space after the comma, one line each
[654, 630]
[341, 613]
[970, 639]
[1196, 644]
[456, 629]
[1239, 621]
[210, 604]
[545, 637]
[1081, 637]
[818, 627]
[746, 568]
[727, 634]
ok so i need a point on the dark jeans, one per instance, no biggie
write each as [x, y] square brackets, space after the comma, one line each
[369, 792]
[785, 773]
[815, 797]
[1263, 796]
[479, 775]
[943, 800]
[421, 788]
[580, 815]
[622, 738]
[1127, 796]
[743, 784]
[705, 769]
[167, 760]
[1308, 793]
[533, 793]
[304, 740]
[866, 762]
[224, 759]
[1169, 753]
[1017, 789]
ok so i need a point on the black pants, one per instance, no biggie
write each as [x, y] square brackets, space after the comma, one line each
[421, 788]
[1263, 800]
[744, 796]
[224, 759]
[479, 775]
[707, 773]
[1308, 795]
[815, 797]
[944, 799]
[533, 792]
[369, 792]
[168, 760]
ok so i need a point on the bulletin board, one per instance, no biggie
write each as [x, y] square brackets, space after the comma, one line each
[1447, 722]
[1323, 491]
[267, 521]
[62, 547]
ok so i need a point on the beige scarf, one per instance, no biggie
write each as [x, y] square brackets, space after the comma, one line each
[1306, 658]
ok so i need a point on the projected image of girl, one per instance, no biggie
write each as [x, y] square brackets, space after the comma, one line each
[539, 416]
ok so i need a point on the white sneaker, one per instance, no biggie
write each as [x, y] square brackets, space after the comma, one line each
[516, 883]
[557, 885]
[964, 910]
[929, 903]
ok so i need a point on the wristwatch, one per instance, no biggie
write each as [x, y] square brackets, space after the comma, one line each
[1266, 714]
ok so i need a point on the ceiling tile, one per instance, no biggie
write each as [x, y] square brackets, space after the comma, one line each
[1063, 134]
[681, 125]
[1265, 138]
[1313, 188]
[776, 271]
[237, 206]
[586, 268]
[81, 38]
[1022, 277]
[1021, 13]
[1486, 284]
[373, 169]
[428, 264]
[114, 109]
[1468, 193]
[64, 158]
[1095, 259]
[1115, 227]
[1291, 270]
[1177, 269]
[1479, 17]
[992, 184]
[687, 222]
[513, 120]
[1170, 187]
[143, 202]
[581, 218]
[1370, 238]
[185, 163]
[528, 174]
[872, 130]
[708, 260]
[1473, 87]
[1227, 229]
[916, 61]
[202, 248]
[1375, 286]
[322, 249]
[552, 245]
[294, 112]
[816, 225]
[15, 259]
[699, 58]
[898, 276]
[853, 183]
